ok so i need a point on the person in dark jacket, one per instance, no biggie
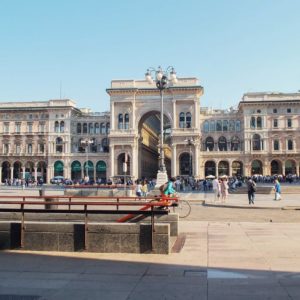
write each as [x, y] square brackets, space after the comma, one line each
[251, 185]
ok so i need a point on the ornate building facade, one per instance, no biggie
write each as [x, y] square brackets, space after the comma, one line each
[54, 138]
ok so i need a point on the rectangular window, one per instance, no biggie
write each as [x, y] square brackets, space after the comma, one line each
[41, 127]
[290, 145]
[29, 127]
[18, 127]
[289, 123]
[276, 145]
[275, 123]
[41, 148]
[5, 148]
[6, 128]
[29, 148]
[18, 149]
[288, 110]
[219, 125]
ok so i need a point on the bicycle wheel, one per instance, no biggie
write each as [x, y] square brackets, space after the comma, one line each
[183, 209]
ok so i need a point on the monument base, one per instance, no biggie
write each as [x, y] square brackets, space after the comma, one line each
[162, 177]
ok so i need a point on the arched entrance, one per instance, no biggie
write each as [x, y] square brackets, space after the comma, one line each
[5, 171]
[58, 168]
[223, 168]
[185, 164]
[29, 170]
[149, 131]
[17, 170]
[122, 169]
[256, 168]
[88, 168]
[101, 170]
[76, 170]
[290, 167]
[276, 167]
[210, 168]
[237, 168]
[42, 171]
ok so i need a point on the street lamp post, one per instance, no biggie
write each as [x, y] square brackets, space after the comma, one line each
[162, 80]
[85, 144]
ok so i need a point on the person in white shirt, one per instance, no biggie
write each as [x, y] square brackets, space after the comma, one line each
[216, 189]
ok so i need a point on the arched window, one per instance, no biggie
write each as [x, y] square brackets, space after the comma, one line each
[209, 144]
[181, 120]
[91, 128]
[105, 145]
[107, 128]
[84, 127]
[219, 125]
[237, 168]
[256, 168]
[56, 126]
[59, 145]
[120, 121]
[256, 142]
[231, 125]
[126, 117]
[276, 145]
[188, 120]
[259, 122]
[102, 128]
[222, 143]
[290, 145]
[78, 128]
[62, 126]
[210, 168]
[206, 126]
[223, 168]
[225, 125]
[212, 126]
[97, 128]
[235, 144]
[252, 122]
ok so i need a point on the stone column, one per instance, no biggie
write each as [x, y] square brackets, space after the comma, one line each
[174, 114]
[112, 160]
[112, 115]
[11, 174]
[174, 161]
[82, 172]
[35, 173]
[230, 168]
[196, 160]
[135, 161]
[196, 113]
[0, 174]
[48, 176]
[133, 125]
[95, 173]
[217, 170]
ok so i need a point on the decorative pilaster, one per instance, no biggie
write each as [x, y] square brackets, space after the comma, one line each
[174, 114]
[196, 174]
[112, 160]
[174, 161]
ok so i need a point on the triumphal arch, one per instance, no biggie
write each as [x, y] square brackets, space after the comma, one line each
[135, 127]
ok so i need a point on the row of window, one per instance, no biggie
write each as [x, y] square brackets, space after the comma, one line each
[22, 117]
[185, 120]
[29, 148]
[222, 125]
[93, 128]
[29, 127]
[236, 145]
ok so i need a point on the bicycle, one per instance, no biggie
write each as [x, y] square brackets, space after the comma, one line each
[182, 207]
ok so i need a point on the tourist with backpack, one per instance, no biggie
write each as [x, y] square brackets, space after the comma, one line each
[167, 189]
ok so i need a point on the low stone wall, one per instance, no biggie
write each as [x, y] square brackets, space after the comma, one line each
[128, 238]
[101, 237]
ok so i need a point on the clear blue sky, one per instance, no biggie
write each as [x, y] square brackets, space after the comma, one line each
[232, 46]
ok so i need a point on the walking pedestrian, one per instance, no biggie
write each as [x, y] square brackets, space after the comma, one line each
[251, 185]
[224, 189]
[216, 189]
[277, 189]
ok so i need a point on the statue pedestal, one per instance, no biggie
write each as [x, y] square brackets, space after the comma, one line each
[162, 177]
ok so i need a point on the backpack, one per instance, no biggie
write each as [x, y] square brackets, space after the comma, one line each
[253, 187]
[163, 187]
